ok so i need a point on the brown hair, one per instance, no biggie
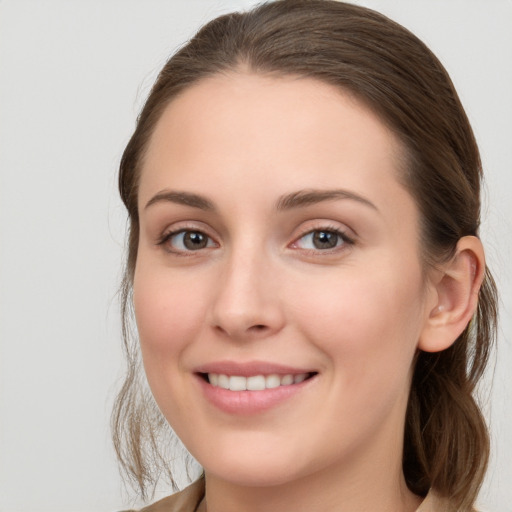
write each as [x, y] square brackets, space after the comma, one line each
[446, 445]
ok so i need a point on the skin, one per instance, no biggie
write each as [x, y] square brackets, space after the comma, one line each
[260, 290]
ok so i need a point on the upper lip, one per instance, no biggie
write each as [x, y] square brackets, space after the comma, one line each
[250, 368]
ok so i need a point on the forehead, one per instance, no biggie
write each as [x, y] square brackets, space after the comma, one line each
[285, 131]
[250, 101]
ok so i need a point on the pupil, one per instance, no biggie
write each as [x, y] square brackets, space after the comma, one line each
[194, 240]
[325, 239]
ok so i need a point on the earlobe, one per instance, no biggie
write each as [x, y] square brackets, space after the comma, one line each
[456, 291]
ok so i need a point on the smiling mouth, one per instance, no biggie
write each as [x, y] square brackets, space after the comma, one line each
[254, 382]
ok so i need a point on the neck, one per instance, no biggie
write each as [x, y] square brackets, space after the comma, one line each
[378, 487]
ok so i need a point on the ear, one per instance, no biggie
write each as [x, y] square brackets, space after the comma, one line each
[456, 285]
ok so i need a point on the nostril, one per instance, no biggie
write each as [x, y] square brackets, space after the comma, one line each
[258, 328]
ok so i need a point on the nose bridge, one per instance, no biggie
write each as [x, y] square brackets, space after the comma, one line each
[246, 302]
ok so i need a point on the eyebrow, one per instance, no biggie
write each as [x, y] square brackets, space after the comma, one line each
[184, 198]
[290, 201]
[310, 196]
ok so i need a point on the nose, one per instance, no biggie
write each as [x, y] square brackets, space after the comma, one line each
[247, 301]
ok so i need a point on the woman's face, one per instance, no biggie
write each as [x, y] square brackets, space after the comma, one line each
[278, 252]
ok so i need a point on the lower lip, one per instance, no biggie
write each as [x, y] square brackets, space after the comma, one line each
[250, 402]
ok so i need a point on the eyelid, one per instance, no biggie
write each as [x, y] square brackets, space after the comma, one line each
[306, 229]
[327, 226]
[183, 227]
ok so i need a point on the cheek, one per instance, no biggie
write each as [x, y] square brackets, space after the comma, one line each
[166, 311]
[367, 326]
[368, 323]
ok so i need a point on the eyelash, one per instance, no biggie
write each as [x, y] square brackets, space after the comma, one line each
[166, 237]
[342, 235]
[332, 230]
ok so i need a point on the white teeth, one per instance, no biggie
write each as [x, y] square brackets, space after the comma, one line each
[237, 383]
[223, 381]
[254, 383]
[287, 380]
[272, 381]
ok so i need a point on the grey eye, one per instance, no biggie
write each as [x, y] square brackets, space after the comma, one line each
[320, 240]
[325, 239]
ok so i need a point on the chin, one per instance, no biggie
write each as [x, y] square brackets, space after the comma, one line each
[259, 467]
[249, 475]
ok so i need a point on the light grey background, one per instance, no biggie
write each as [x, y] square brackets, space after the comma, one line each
[73, 75]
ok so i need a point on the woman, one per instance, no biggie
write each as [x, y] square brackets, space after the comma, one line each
[311, 296]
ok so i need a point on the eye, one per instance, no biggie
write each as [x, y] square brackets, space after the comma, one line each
[187, 240]
[322, 239]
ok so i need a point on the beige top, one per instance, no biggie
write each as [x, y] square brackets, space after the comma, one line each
[190, 498]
